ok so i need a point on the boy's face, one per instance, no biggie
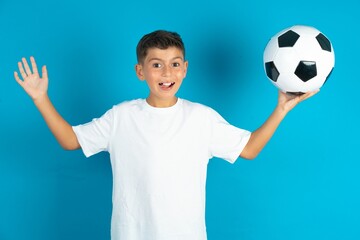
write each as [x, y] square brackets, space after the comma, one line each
[163, 70]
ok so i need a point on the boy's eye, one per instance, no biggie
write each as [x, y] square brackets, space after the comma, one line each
[156, 65]
[176, 64]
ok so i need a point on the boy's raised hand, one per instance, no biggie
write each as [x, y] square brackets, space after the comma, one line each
[262, 135]
[288, 102]
[34, 85]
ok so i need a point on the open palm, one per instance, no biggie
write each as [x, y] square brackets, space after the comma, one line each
[288, 102]
[32, 83]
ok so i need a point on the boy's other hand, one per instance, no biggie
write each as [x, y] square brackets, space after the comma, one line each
[34, 85]
[287, 102]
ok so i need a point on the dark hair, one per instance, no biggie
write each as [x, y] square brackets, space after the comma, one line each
[158, 39]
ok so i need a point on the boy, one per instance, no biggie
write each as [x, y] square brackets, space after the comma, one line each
[159, 146]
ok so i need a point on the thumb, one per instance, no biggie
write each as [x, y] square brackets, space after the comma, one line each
[18, 80]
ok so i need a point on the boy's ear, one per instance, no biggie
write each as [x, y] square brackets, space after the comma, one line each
[186, 64]
[139, 71]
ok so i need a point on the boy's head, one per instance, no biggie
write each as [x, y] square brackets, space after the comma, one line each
[161, 63]
[158, 39]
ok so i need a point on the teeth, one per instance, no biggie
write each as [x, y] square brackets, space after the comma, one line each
[166, 84]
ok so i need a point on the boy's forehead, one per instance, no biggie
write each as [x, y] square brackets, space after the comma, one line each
[164, 54]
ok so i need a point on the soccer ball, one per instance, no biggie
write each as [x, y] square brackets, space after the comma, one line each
[299, 59]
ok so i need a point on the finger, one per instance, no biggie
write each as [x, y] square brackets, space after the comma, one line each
[312, 93]
[44, 72]
[304, 96]
[18, 80]
[21, 69]
[33, 64]
[308, 95]
[26, 65]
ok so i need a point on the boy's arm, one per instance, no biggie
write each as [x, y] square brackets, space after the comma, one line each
[36, 87]
[262, 135]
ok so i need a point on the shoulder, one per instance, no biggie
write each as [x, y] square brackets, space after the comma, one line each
[124, 109]
[194, 105]
[136, 104]
[198, 108]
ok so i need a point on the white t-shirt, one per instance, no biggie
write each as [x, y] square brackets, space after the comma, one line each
[159, 160]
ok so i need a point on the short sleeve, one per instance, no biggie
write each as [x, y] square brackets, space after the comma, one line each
[227, 141]
[95, 136]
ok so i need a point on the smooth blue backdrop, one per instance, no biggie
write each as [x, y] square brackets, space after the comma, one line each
[305, 183]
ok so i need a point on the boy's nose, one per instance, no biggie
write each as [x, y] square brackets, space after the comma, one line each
[166, 71]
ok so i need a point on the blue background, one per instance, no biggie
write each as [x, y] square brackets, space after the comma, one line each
[305, 183]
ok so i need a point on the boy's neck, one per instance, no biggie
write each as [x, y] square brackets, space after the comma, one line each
[161, 103]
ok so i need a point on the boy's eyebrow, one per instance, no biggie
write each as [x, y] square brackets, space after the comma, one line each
[159, 59]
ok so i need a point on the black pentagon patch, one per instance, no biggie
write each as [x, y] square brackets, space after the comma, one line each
[324, 42]
[328, 76]
[306, 70]
[295, 93]
[288, 39]
[271, 71]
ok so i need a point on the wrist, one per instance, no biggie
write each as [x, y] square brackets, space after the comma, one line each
[41, 99]
[281, 111]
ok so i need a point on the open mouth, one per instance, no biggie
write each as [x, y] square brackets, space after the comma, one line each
[166, 84]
